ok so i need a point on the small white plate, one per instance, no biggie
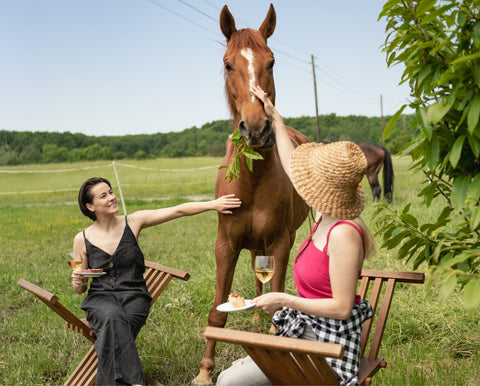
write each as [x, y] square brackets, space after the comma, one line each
[228, 307]
[92, 274]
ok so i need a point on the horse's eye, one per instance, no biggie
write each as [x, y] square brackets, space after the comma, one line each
[228, 67]
[271, 64]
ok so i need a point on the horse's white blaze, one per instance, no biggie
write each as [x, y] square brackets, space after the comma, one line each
[248, 54]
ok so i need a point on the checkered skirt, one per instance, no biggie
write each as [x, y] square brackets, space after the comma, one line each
[292, 323]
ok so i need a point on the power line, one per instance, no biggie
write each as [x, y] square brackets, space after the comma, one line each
[198, 10]
[182, 17]
[333, 76]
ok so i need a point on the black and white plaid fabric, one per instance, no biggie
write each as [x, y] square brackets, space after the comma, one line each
[346, 332]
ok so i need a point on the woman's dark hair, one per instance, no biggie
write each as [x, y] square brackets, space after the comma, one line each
[85, 197]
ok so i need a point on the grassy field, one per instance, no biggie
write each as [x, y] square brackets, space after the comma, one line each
[426, 342]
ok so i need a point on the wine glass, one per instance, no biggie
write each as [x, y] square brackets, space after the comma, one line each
[264, 269]
[74, 264]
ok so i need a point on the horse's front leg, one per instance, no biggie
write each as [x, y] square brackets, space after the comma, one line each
[281, 251]
[226, 259]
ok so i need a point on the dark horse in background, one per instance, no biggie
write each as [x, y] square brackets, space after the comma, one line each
[271, 210]
[377, 156]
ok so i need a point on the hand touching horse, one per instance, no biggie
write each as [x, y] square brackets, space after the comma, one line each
[271, 209]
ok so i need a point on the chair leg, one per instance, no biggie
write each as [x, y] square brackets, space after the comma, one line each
[86, 371]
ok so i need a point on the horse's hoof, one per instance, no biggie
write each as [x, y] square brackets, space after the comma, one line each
[199, 381]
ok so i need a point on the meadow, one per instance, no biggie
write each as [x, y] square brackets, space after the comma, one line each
[426, 342]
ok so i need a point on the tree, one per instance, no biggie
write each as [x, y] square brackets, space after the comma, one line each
[438, 42]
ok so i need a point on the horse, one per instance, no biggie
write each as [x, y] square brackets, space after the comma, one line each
[271, 210]
[377, 156]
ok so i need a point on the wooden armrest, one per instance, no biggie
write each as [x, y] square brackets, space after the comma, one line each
[172, 271]
[399, 277]
[333, 350]
[40, 292]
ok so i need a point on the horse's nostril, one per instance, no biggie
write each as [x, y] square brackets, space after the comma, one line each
[267, 127]
[242, 127]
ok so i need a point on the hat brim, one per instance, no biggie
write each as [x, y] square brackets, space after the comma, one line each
[317, 190]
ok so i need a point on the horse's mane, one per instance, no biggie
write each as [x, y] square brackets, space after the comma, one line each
[242, 38]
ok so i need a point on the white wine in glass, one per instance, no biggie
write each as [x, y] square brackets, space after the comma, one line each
[74, 263]
[264, 269]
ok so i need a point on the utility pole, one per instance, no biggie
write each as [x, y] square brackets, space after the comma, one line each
[381, 115]
[316, 101]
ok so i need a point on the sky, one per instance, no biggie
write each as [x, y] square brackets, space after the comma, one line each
[119, 67]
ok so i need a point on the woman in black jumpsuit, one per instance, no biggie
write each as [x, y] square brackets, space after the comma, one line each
[118, 303]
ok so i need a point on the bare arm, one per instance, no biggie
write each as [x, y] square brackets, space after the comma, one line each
[346, 255]
[147, 218]
[284, 144]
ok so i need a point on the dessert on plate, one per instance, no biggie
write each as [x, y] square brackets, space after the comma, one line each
[236, 300]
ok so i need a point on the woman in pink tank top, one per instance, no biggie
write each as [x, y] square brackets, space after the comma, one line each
[327, 265]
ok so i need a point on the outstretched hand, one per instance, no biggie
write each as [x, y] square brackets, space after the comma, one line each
[263, 96]
[225, 203]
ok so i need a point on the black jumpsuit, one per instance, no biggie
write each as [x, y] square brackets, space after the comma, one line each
[117, 306]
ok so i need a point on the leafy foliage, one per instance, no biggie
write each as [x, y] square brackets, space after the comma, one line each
[438, 42]
[233, 170]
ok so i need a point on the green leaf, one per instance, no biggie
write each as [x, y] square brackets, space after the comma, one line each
[456, 151]
[424, 6]
[459, 191]
[474, 143]
[249, 163]
[388, 129]
[448, 287]
[424, 122]
[473, 114]
[432, 152]
[410, 219]
[450, 262]
[250, 153]
[466, 58]
[471, 293]
[473, 192]
[475, 218]
[437, 111]
[236, 135]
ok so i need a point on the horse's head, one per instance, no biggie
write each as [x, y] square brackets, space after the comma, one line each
[249, 61]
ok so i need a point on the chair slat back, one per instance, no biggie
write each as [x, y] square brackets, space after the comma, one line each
[285, 361]
[158, 276]
[380, 297]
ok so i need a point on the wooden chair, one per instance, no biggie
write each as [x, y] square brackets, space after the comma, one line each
[157, 277]
[288, 361]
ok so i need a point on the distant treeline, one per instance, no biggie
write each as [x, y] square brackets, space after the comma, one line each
[23, 147]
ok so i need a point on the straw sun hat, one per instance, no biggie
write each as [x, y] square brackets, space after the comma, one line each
[329, 176]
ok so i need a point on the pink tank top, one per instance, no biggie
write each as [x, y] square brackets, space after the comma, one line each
[311, 269]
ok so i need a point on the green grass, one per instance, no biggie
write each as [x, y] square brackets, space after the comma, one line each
[425, 343]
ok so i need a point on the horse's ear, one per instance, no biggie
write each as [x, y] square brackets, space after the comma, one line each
[268, 25]
[227, 22]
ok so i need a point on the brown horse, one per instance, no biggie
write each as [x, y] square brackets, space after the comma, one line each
[271, 209]
[378, 156]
